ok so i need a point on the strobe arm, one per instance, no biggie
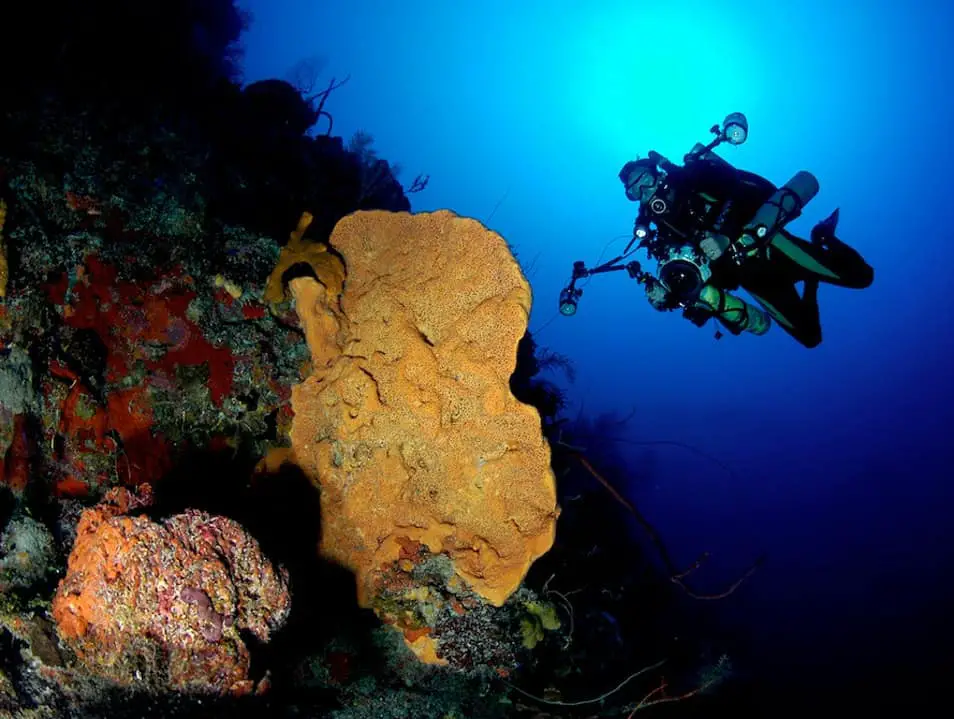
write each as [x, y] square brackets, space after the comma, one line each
[570, 295]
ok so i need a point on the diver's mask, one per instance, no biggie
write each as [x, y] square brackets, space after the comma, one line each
[641, 179]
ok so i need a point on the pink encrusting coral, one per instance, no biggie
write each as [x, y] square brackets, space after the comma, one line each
[168, 601]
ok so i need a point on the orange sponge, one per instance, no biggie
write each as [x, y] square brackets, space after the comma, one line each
[407, 422]
[326, 267]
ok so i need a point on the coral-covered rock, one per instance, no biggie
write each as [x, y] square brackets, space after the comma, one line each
[16, 401]
[27, 553]
[16, 451]
[4, 264]
[141, 368]
[407, 421]
[167, 602]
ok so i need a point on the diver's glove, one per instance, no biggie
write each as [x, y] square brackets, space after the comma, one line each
[658, 295]
[746, 248]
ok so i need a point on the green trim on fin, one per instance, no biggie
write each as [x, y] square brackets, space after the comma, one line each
[800, 257]
[776, 315]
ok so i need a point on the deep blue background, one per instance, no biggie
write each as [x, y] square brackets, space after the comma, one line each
[843, 455]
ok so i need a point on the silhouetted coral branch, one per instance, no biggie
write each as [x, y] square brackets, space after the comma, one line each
[659, 692]
[419, 184]
[662, 443]
[304, 74]
[711, 677]
[594, 700]
[678, 578]
[322, 97]
[675, 576]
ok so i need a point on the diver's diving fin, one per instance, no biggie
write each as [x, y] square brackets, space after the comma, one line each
[824, 231]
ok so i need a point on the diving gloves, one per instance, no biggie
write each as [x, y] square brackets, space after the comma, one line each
[745, 248]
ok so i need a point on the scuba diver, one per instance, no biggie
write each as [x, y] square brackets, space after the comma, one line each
[713, 228]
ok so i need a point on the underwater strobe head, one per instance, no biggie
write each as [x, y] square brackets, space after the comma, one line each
[569, 299]
[735, 128]
[570, 295]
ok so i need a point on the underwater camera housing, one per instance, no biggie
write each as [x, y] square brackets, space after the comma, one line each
[683, 271]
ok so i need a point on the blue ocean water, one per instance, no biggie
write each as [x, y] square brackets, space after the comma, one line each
[841, 456]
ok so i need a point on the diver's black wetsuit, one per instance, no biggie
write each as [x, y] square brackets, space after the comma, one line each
[698, 194]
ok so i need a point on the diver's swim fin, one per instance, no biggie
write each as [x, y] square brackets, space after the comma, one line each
[824, 232]
[838, 257]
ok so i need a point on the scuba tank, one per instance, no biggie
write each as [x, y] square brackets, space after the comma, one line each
[781, 208]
